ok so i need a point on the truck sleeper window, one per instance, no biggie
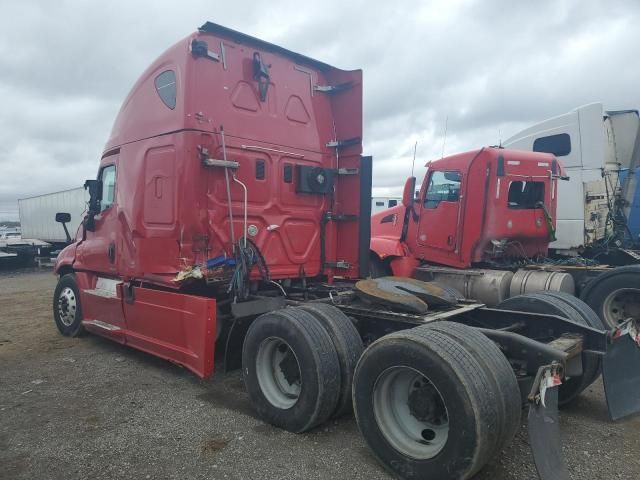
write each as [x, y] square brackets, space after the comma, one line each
[443, 187]
[525, 195]
[166, 88]
[559, 145]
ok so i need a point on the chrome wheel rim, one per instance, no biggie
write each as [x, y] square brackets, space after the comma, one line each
[278, 372]
[621, 305]
[410, 412]
[67, 306]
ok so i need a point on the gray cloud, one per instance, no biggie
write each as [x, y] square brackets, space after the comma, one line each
[489, 68]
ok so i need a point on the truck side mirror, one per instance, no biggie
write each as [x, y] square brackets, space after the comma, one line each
[95, 195]
[407, 194]
[64, 218]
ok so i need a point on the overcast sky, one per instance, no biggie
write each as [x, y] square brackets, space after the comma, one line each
[490, 67]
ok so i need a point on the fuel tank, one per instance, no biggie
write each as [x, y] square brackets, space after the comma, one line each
[529, 281]
[486, 286]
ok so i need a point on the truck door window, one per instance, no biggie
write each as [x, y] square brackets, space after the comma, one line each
[443, 187]
[525, 195]
[108, 177]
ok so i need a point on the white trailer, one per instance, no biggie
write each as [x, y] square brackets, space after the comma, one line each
[37, 214]
[601, 152]
[382, 203]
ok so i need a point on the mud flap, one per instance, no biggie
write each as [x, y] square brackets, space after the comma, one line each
[544, 426]
[621, 372]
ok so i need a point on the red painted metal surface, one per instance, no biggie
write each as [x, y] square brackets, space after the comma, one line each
[460, 233]
[170, 212]
[180, 328]
[403, 266]
[102, 314]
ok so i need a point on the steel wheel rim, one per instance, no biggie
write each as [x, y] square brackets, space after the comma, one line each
[67, 306]
[410, 412]
[278, 372]
[621, 305]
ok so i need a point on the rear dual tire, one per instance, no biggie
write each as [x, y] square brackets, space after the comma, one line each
[348, 344]
[571, 308]
[298, 365]
[615, 295]
[436, 401]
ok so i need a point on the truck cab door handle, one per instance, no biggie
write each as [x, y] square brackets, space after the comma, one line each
[111, 252]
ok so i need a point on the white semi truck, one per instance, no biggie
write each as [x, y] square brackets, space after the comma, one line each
[599, 207]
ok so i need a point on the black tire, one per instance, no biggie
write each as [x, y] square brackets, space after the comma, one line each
[347, 343]
[596, 293]
[307, 344]
[460, 381]
[549, 304]
[67, 311]
[588, 314]
[590, 317]
[503, 381]
[378, 268]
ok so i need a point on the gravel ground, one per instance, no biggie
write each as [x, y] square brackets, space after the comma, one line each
[89, 408]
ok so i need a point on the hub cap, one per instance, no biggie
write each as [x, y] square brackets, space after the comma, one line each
[67, 306]
[410, 413]
[621, 305]
[278, 373]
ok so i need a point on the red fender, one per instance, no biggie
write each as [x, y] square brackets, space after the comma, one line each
[403, 266]
[388, 247]
[65, 258]
[386, 243]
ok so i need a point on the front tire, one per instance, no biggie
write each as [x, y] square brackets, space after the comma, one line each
[67, 311]
[378, 268]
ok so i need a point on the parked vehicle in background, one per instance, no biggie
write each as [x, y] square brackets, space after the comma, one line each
[7, 233]
[382, 203]
[483, 223]
[599, 206]
[37, 214]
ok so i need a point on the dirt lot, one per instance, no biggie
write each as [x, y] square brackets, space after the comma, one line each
[88, 408]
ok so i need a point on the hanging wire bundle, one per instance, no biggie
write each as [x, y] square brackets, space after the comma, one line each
[247, 255]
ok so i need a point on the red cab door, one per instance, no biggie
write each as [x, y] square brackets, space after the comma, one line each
[98, 252]
[438, 227]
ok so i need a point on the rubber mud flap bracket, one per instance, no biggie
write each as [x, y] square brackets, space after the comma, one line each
[544, 426]
[621, 371]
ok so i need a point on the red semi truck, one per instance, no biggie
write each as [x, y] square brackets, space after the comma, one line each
[484, 226]
[229, 226]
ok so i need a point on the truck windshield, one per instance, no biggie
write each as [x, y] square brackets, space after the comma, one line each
[525, 195]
